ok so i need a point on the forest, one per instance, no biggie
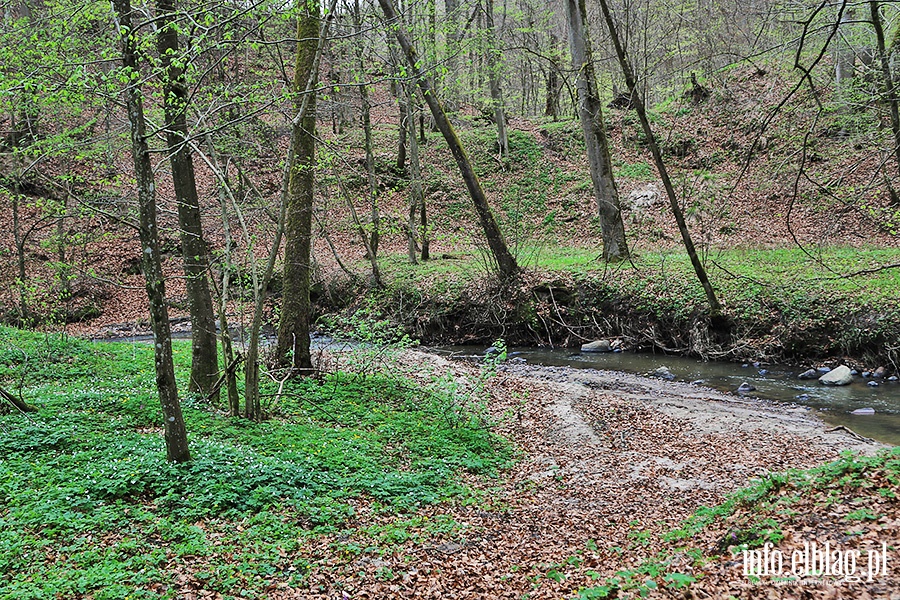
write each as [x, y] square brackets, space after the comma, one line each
[449, 299]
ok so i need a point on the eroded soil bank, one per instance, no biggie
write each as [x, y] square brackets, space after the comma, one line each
[643, 309]
[610, 461]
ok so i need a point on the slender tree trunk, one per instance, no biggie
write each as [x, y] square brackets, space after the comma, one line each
[889, 90]
[554, 86]
[367, 134]
[19, 241]
[451, 88]
[714, 305]
[590, 112]
[293, 331]
[494, 74]
[228, 357]
[175, 433]
[506, 263]
[416, 195]
[204, 358]
[401, 136]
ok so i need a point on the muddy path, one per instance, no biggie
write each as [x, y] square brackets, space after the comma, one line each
[608, 462]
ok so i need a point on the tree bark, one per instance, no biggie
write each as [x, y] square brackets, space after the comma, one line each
[714, 305]
[590, 113]
[15, 402]
[494, 54]
[889, 90]
[175, 432]
[204, 358]
[293, 332]
[366, 108]
[417, 197]
[506, 263]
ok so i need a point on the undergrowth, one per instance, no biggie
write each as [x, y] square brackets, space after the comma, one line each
[754, 516]
[89, 505]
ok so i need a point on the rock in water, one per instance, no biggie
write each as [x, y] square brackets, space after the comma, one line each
[837, 376]
[597, 346]
[863, 411]
[809, 374]
[746, 387]
[663, 373]
[873, 384]
[879, 373]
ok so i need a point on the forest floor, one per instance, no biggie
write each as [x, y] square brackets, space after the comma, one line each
[419, 477]
[403, 474]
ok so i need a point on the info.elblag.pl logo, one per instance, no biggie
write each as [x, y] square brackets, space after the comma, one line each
[815, 561]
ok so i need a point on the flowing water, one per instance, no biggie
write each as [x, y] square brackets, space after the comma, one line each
[772, 382]
[778, 383]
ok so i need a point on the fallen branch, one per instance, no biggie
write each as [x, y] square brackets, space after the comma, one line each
[17, 403]
[850, 432]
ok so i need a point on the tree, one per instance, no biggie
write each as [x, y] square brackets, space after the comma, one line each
[372, 247]
[493, 64]
[506, 263]
[292, 348]
[714, 305]
[204, 358]
[884, 62]
[590, 113]
[175, 433]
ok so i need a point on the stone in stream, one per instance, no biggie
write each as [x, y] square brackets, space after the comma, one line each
[763, 372]
[867, 374]
[745, 387]
[863, 411]
[823, 370]
[597, 346]
[663, 373]
[808, 374]
[892, 378]
[872, 384]
[838, 376]
[879, 373]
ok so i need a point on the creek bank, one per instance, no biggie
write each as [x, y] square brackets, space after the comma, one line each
[554, 309]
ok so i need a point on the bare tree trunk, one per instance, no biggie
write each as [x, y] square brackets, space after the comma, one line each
[367, 133]
[204, 357]
[506, 263]
[889, 90]
[494, 70]
[230, 375]
[175, 433]
[554, 86]
[416, 195]
[590, 112]
[714, 306]
[19, 241]
[451, 87]
[293, 331]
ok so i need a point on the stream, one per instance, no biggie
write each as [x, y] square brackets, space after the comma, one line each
[776, 383]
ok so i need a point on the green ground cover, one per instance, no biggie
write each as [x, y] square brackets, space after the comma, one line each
[88, 503]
